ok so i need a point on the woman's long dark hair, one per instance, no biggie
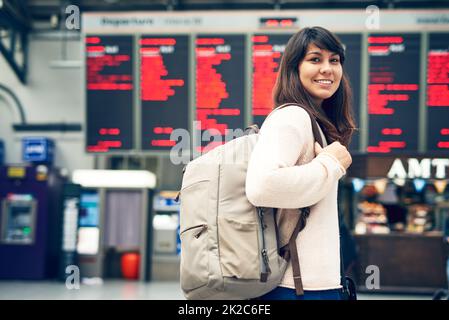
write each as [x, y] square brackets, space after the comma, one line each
[335, 115]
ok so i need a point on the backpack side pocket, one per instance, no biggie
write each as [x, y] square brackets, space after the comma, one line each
[194, 265]
[239, 250]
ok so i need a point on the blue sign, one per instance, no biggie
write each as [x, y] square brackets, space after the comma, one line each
[37, 149]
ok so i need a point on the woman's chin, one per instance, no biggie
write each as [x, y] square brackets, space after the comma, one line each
[321, 97]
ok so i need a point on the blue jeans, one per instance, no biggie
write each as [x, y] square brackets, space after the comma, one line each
[281, 293]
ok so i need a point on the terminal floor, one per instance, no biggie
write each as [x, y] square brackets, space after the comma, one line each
[122, 290]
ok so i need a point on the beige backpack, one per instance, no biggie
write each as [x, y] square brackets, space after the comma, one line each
[229, 248]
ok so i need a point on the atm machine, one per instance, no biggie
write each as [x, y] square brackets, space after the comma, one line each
[30, 222]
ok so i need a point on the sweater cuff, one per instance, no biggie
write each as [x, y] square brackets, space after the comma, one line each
[343, 170]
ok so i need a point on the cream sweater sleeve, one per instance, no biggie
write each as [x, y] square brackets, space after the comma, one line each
[274, 179]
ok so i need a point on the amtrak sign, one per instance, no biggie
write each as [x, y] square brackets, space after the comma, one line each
[414, 168]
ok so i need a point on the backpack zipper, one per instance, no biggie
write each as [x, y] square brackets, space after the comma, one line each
[266, 270]
[198, 234]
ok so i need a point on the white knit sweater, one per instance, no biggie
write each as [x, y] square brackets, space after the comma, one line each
[283, 172]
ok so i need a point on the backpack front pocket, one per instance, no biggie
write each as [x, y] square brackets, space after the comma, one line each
[194, 258]
[239, 248]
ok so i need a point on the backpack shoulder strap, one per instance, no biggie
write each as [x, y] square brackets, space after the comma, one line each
[303, 215]
[294, 251]
[315, 127]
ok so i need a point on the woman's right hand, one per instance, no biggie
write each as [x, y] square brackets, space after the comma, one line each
[338, 150]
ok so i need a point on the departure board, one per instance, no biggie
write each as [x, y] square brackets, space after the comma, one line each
[352, 66]
[164, 66]
[393, 92]
[220, 87]
[267, 50]
[109, 93]
[438, 92]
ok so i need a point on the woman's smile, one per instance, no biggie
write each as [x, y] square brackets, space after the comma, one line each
[320, 73]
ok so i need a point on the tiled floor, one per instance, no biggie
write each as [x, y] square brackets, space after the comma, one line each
[122, 290]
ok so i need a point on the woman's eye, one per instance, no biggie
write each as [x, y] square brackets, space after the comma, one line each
[315, 59]
[335, 60]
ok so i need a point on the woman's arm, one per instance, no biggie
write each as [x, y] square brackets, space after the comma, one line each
[273, 178]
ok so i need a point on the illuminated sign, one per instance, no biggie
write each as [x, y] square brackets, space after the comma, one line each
[109, 96]
[438, 92]
[220, 86]
[393, 92]
[278, 22]
[164, 66]
[267, 50]
[36, 149]
[419, 169]
[352, 67]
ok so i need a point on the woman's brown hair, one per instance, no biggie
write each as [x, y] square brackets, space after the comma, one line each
[335, 115]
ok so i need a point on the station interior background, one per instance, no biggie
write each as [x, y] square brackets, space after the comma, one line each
[88, 103]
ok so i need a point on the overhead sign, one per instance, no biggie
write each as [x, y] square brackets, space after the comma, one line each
[230, 21]
[414, 168]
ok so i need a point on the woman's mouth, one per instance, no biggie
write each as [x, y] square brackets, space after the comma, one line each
[324, 83]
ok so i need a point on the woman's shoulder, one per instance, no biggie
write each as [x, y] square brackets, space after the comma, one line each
[291, 115]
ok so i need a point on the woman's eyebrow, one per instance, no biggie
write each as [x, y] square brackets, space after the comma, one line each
[313, 52]
[319, 53]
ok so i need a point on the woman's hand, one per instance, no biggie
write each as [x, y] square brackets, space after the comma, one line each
[338, 150]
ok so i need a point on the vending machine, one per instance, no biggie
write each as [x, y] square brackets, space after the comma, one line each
[30, 222]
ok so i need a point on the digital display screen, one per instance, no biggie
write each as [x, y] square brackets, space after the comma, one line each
[393, 92]
[164, 67]
[109, 93]
[438, 92]
[352, 66]
[88, 236]
[89, 210]
[220, 87]
[267, 50]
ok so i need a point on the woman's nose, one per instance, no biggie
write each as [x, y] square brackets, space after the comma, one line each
[325, 68]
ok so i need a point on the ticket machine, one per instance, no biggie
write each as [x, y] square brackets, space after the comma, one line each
[30, 222]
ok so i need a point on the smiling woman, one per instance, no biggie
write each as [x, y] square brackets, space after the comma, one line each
[317, 54]
[320, 73]
[287, 170]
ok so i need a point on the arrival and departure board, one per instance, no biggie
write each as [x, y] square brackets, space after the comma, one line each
[352, 66]
[109, 96]
[267, 50]
[164, 67]
[438, 92]
[220, 87]
[393, 92]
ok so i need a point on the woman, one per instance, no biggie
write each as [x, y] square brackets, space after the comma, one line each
[289, 170]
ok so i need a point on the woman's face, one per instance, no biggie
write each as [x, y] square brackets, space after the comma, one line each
[320, 73]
